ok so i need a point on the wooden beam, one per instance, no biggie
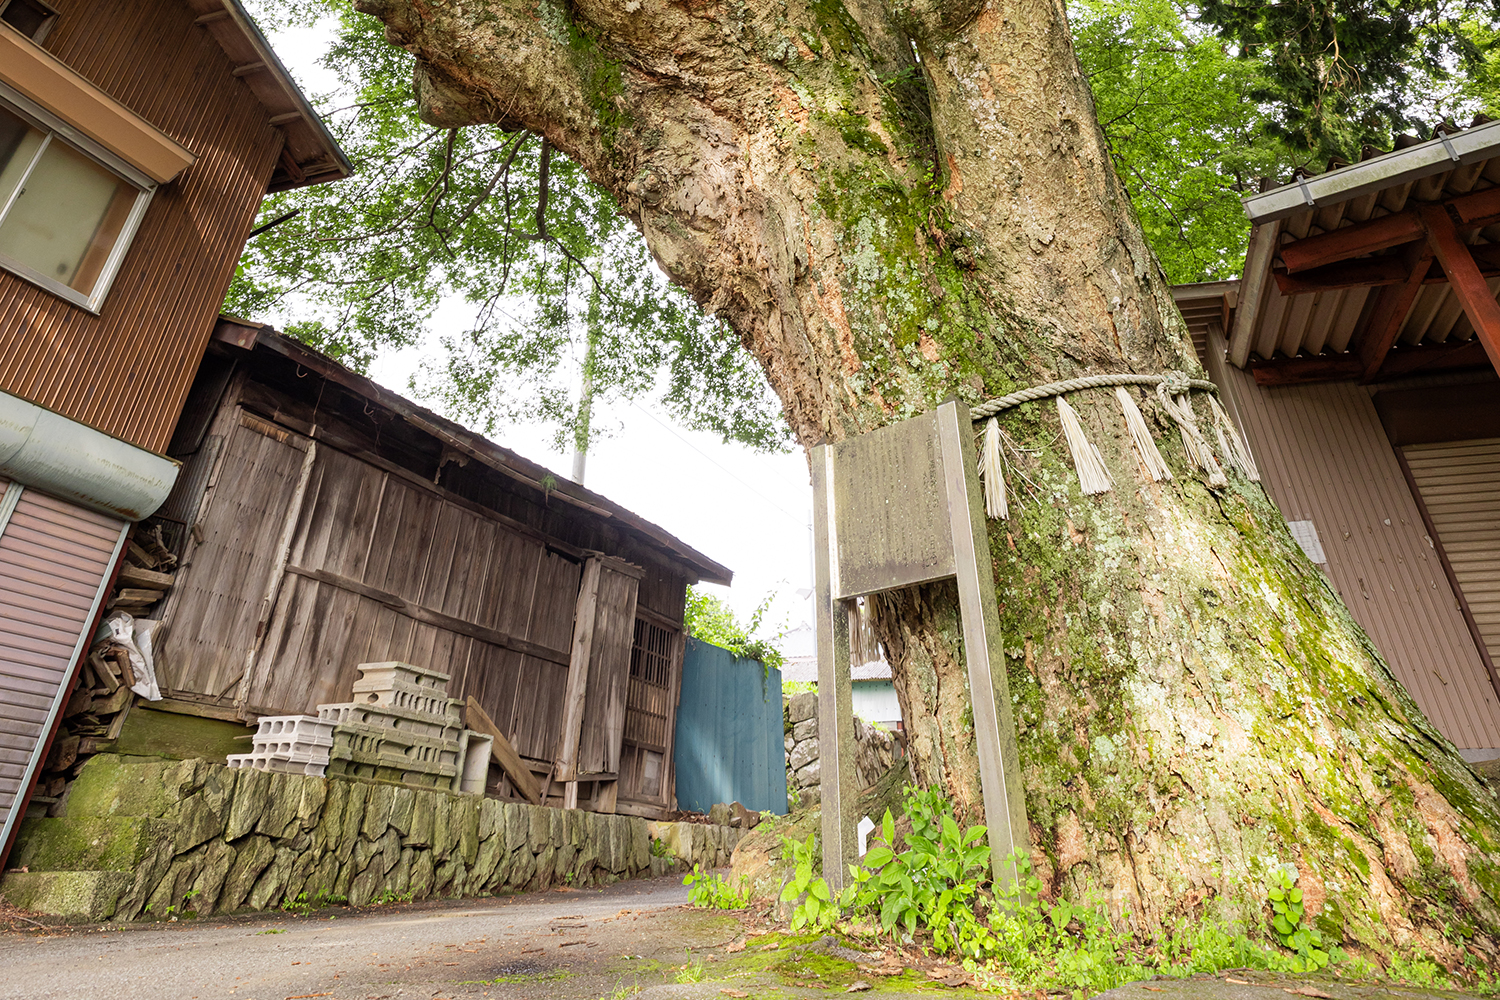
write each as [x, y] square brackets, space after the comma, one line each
[1479, 209]
[477, 719]
[1351, 241]
[1391, 308]
[1302, 370]
[1464, 275]
[429, 616]
[576, 691]
[1475, 210]
[1418, 359]
[1425, 359]
[1388, 270]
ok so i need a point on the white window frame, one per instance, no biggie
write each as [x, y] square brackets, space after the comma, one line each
[59, 130]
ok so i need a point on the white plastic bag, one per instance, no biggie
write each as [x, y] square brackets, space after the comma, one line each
[136, 636]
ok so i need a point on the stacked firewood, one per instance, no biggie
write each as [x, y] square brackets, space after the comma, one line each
[147, 574]
[96, 708]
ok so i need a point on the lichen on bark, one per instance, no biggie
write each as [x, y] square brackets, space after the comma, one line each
[896, 201]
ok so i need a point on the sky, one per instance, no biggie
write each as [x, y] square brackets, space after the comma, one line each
[750, 512]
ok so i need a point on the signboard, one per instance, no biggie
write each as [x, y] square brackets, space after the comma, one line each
[894, 508]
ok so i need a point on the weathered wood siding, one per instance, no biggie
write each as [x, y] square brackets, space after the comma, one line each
[375, 562]
[127, 370]
[216, 606]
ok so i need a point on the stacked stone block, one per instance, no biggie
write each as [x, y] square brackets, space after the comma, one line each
[295, 744]
[875, 750]
[145, 838]
[401, 727]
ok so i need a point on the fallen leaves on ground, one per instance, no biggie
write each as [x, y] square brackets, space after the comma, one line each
[1309, 991]
[732, 992]
[858, 986]
[948, 975]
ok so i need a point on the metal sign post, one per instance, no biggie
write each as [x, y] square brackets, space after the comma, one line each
[894, 508]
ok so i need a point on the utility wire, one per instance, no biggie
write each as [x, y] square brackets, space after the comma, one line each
[798, 521]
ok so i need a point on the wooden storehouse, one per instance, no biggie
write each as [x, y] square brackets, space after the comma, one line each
[324, 522]
[1359, 354]
[137, 141]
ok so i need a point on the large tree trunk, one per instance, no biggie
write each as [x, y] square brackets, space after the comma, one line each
[896, 201]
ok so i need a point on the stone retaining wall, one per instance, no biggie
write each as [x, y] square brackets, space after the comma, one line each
[874, 750]
[155, 838]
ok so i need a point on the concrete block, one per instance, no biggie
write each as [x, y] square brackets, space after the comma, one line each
[74, 895]
[474, 762]
[307, 730]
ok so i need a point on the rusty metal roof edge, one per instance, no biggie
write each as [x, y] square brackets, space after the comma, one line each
[1397, 167]
[252, 32]
[496, 456]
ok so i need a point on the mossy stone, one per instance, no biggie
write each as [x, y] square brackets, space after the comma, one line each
[111, 785]
[72, 895]
[94, 843]
[403, 803]
[421, 875]
[251, 858]
[252, 790]
[421, 820]
[378, 810]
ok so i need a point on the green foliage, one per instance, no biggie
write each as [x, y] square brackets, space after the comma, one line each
[691, 971]
[1341, 73]
[934, 883]
[1287, 921]
[659, 848]
[1419, 970]
[712, 891]
[818, 910]
[1185, 142]
[711, 620]
[434, 216]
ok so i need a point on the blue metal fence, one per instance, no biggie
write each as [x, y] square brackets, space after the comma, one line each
[730, 743]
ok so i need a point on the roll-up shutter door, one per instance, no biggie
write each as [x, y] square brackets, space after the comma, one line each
[1460, 485]
[55, 560]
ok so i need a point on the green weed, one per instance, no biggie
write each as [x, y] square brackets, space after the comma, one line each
[712, 891]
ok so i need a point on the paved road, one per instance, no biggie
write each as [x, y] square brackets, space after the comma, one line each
[572, 944]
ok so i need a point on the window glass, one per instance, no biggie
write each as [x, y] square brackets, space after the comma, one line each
[18, 145]
[66, 218]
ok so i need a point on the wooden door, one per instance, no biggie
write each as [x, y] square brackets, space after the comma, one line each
[220, 606]
[599, 673]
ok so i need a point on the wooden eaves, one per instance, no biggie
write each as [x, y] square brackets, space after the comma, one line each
[1367, 272]
[247, 335]
[310, 155]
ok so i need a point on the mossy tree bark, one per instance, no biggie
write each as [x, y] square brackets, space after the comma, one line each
[893, 201]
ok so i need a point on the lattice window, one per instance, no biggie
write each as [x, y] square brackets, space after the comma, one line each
[647, 709]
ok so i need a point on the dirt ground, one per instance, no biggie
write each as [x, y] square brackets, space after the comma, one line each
[634, 939]
[591, 944]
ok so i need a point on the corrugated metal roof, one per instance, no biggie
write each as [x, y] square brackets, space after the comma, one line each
[1271, 323]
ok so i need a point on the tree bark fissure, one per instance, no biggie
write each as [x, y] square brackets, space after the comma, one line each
[895, 202]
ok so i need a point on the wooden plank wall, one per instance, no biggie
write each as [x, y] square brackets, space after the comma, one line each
[127, 370]
[215, 606]
[603, 720]
[376, 566]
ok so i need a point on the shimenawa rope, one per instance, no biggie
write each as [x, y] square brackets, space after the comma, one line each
[1173, 391]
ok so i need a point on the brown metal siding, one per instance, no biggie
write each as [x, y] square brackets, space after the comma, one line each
[127, 370]
[54, 561]
[1324, 457]
[1460, 485]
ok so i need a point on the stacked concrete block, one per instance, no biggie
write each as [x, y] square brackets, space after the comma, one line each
[400, 727]
[294, 744]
